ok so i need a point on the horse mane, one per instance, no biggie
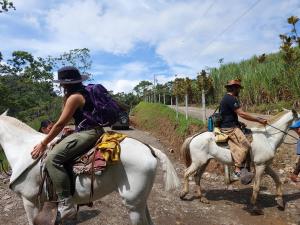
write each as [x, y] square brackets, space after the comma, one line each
[17, 123]
[275, 118]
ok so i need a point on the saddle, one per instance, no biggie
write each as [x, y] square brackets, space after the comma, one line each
[222, 138]
[106, 151]
[219, 136]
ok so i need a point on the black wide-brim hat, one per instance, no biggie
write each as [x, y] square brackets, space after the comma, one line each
[70, 75]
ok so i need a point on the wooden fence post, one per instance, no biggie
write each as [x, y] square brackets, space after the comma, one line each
[203, 107]
[176, 107]
[186, 106]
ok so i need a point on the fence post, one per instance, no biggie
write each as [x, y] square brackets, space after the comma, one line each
[176, 107]
[203, 107]
[186, 106]
[164, 98]
[171, 100]
[159, 98]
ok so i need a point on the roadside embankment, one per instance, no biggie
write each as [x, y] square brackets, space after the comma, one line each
[162, 122]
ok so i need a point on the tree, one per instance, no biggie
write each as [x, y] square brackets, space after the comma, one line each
[25, 83]
[142, 88]
[23, 64]
[205, 83]
[6, 5]
[182, 86]
[290, 47]
[129, 100]
[79, 58]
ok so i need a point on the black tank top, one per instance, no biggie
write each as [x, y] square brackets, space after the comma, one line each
[88, 107]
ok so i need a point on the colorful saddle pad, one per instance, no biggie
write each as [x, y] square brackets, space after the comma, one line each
[106, 151]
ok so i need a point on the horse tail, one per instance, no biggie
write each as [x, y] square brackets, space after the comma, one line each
[185, 152]
[170, 176]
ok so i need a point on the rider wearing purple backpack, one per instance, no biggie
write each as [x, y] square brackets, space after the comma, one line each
[78, 104]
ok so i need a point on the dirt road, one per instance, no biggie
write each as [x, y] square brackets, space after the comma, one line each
[227, 204]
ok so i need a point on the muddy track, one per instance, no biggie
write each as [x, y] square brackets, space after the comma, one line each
[227, 204]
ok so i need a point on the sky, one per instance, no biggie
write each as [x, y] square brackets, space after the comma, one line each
[135, 40]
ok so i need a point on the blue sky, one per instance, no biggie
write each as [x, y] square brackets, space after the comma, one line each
[133, 40]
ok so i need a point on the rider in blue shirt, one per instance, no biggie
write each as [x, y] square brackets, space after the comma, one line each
[294, 175]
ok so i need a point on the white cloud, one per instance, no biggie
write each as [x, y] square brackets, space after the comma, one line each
[185, 34]
[120, 85]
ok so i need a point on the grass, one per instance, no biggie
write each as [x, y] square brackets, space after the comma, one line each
[161, 120]
[3, 160]
[265, 82]
[148, 115]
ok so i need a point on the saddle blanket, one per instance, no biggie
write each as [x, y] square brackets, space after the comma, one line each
[106, 151]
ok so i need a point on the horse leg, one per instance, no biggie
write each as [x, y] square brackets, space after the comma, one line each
[259, 170]
[138, 215]
[279, 197]
[148, 216]
[31, 210]
[227, 174]
[188, 172]
[197, 178]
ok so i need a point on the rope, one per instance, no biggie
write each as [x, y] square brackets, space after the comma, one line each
[286, 133]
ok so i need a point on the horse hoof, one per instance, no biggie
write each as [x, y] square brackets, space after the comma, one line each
[182, 195]
[204, 200]
[280, 203]
[257, 211]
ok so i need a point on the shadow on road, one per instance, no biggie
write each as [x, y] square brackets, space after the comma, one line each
[83, 216]
[243, 196]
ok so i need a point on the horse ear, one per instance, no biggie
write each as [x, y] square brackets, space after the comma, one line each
[295, 114]
[5, 113]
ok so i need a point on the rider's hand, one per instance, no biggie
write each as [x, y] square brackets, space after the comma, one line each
[262, 121]
[38, 150]
[67, 131]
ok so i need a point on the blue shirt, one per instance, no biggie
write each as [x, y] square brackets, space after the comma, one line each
[298, 147]
[228, 106]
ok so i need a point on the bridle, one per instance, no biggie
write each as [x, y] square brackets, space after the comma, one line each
[285, 132]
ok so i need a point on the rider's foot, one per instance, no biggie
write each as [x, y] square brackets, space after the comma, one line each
[235, 175]
[246, 176]
[67, 209]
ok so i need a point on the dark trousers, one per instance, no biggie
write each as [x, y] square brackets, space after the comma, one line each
[297, 169]
[63, 155]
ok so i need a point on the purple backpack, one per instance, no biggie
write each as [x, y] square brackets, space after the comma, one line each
[106, 109]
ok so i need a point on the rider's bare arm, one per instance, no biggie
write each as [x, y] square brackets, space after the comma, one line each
[74, 102]
[249, 117]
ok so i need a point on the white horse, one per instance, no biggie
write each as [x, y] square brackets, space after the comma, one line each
[133, 177]
[199, 149]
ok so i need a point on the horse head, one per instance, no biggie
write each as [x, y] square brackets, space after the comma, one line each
[295, 114]
[17, 140]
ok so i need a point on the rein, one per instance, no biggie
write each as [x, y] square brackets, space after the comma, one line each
[286, 133]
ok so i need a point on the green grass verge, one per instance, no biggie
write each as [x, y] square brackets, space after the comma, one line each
[161, 120]
[148, 115]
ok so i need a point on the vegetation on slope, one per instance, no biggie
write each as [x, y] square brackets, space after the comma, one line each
[161, 120]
